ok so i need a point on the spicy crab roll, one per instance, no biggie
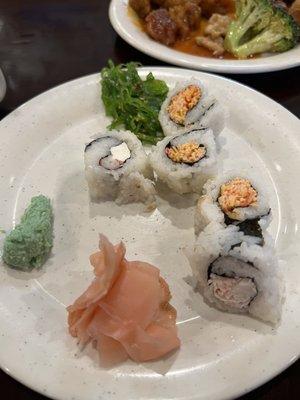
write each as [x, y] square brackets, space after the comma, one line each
[236, 276]
[234, 200]
[185, 161]
[188, 105]
[117, 168]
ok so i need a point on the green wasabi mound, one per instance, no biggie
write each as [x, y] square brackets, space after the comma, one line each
[29, 244]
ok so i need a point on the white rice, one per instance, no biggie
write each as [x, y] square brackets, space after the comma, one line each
[107, 184]
[216, 241]
[180, 177]
[207, 113]
[136, 188]
[214, 118]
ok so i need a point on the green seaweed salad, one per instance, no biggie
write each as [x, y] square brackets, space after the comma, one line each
[133, 103]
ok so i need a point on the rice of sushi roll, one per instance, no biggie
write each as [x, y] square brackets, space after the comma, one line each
[234, 199]
[136, 188]
[185, 161]
[117, 168]
[189, 106]
[236, 276]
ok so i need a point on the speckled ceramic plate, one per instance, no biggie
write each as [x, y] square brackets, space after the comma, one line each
[125, 26]
[222, 355]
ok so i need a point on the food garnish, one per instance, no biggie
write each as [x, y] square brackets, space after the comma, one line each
[125, 311]
[133, 103]
[28, 245]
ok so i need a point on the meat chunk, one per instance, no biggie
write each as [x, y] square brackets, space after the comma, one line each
[217, 26]
[186, 16]
[294, 10]
[214, 45]
[161, 27]
[215, 32]
[141, 7]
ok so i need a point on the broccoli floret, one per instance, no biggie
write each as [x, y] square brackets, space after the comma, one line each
[260, 26]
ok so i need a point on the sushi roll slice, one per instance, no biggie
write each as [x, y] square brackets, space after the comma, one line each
[185, 161]
[189, 106]
[234, 200]
[117, 168]
[236, 276]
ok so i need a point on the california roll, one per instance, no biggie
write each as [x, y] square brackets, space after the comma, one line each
[237, 276]
[117, 168]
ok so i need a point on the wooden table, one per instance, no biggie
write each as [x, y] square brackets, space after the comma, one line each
[46, 42]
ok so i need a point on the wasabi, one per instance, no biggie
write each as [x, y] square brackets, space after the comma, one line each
[29, 244]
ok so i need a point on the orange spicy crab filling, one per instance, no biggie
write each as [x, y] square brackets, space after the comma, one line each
[183, 102]
[188, 153]
[238, 192]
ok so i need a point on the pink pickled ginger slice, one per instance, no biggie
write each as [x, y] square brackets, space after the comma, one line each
[125, 310]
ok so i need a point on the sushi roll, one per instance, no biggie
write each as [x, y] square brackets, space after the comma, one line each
[185, 161]
[234, 200]
[236, 276]
[189, 106]
[117, 168]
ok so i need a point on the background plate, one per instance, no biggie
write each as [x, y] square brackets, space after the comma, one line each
[222, 355]
[132, 34]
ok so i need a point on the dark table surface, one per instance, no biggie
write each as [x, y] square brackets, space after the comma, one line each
[46, 42]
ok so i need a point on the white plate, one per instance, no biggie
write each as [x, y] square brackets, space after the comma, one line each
[132, 34]
[222, 355]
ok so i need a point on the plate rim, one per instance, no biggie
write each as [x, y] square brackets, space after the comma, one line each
[229, 397]
[171, 70]
[170, 56]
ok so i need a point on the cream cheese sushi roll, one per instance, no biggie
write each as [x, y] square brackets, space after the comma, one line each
[188, 105]
[117, 168]
[234, 199]
[185, 161]
[236, 276]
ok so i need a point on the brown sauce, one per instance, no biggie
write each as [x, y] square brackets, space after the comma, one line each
[137, 21]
